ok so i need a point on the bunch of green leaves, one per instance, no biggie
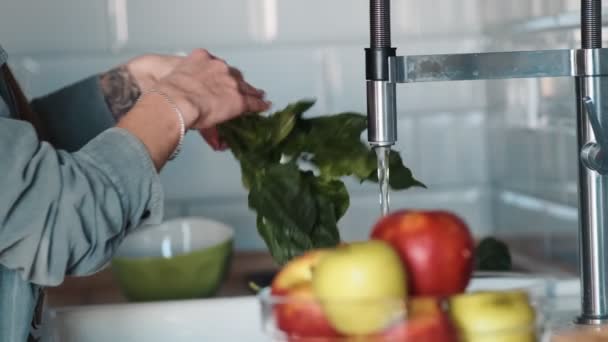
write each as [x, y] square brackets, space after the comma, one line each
[293, 167]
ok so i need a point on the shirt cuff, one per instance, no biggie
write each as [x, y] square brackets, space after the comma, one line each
[126, 161]
[79, 105]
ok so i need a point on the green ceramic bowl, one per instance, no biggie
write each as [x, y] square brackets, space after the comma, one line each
[179, 259]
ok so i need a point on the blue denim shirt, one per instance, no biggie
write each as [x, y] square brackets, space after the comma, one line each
[65, 208]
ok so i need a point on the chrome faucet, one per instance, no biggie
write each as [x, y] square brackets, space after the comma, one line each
[588, 66]
[381, 88]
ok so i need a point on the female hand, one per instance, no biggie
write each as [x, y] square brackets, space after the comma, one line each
[123, 85]
[209, 91]
[205, 89]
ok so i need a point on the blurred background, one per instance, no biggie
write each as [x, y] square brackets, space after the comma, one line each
[502, 154]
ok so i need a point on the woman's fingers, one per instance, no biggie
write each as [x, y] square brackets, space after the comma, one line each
[214, 90]
[212, 137]
[248, 89]
[255, 104]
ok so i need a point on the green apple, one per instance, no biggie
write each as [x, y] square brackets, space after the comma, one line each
[496, 316]
[362, 287]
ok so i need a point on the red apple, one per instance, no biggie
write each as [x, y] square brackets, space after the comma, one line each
[296, 311]
[301, 317]
[296, 271]
[435, 246]
[426, 322]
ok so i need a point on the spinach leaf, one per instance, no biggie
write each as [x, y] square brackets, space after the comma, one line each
[325, 233]
[283, 243]
[334, 191]
[258, 134]
[283, 195]
[298, 210]
[334, 145]
[400, 176]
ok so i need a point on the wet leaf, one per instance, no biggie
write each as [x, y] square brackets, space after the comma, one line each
[298, 210]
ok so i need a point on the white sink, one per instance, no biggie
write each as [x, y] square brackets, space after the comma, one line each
[233, 319]
[228, 319]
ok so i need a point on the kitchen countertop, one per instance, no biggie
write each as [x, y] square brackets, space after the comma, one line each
[101, 288]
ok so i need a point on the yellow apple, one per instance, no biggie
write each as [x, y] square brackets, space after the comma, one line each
[362, 287]
[496, 316]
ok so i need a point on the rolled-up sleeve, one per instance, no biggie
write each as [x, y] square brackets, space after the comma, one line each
[75, 114]
[65, 213]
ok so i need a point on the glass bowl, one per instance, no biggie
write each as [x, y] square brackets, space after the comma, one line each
[299, 317]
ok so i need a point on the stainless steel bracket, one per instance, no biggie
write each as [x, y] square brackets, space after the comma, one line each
[499, 65]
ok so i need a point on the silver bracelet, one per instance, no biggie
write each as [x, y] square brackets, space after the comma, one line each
[180, 115]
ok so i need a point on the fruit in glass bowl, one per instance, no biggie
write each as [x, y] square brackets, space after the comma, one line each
[486, 316]
[361, 291]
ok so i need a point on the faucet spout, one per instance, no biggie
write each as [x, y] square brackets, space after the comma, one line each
[381, 113]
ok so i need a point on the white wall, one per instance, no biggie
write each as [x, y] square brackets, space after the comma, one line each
[293, 49]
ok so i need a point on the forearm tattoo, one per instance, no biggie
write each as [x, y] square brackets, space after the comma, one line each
[120, 90]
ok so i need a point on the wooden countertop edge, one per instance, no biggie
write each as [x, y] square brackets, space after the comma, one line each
[101, 288]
